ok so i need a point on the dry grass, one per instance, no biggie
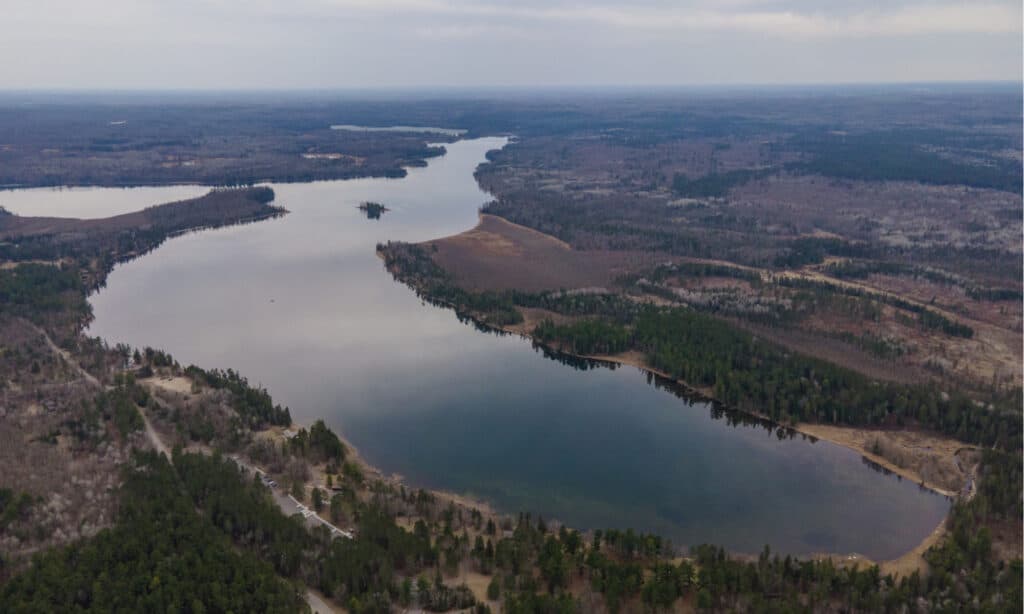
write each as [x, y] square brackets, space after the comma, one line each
[178, 384]
[922, 457]
[532, 316]
[838, 352]
[477, 582]
[995, 351]
[907, 213]
[500, 255]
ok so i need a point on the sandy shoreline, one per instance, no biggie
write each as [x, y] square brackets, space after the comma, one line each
[852, 438]
[844, 436]
[394, 479]
[847, 437]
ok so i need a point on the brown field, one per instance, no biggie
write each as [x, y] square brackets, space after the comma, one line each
[1005, 314]
[532, 316]
[500, 255]
[994, 354]
[626, 191]
[837, 351]
[181, 385]
[911, 214]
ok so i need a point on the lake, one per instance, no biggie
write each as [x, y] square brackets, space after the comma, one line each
[410, 129]
[302, 305]
[90, 202]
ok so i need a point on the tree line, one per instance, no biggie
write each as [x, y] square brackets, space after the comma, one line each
[160, 556]
[756, 376]
[201, 535]
[253, 405]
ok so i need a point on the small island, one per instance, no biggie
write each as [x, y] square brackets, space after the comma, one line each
[373, 210]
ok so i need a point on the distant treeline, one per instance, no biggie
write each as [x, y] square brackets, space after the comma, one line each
[627, 221]
[876, 156]
[113, 239]
[900, 155]
[703, 269]
[715, 185]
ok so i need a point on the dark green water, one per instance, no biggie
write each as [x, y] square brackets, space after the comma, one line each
[302, 305]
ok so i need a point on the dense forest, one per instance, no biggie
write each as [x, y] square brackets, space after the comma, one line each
[195, 141]
[900, 155]
[756, 376]
[714, 185]
[37, 291]
[160, 556]
[177, 524]
[363, 573]
[253, 405]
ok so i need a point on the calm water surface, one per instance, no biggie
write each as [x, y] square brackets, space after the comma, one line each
[302, 305]
[90, 203]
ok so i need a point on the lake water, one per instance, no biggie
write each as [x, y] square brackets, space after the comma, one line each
[91, 203]
[411, 129]
[302, 305]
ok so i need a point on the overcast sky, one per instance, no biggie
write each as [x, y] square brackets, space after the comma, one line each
[230, 44]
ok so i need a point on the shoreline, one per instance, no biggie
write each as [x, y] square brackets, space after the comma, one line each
[822, 432]
[636, 360]
[394, 479]
[907, 563]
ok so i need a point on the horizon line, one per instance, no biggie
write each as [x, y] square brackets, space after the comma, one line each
[507, 87]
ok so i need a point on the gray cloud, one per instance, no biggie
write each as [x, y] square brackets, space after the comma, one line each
[370, 43]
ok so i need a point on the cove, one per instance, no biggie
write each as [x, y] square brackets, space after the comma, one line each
[302, 305]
